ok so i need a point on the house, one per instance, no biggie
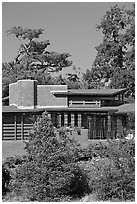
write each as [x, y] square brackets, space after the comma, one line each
[101, 111]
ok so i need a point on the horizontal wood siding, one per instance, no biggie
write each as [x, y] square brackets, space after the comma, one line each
[9, 133]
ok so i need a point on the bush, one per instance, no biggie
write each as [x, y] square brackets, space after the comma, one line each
[114, 183]
[5, 178]
[103, 149]
[92, 151]
[8, 167]
[16, 160]
[114, 177]
[131, 121]
[50, 172]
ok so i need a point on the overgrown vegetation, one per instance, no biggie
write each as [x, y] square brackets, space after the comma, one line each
[114, 65]
[112, 174]
[51, 171]
[56, 168]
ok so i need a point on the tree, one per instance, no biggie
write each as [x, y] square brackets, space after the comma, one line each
[51, 171]
[92, 80]
[75, 79]
[33, 60]
[116, 54]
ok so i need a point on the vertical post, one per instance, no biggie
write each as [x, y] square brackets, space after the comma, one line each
[94, 126]
[15, 127]
[49, 115]
[72, 119]
[105, 127]
[109, 126]
[59, 120]
[79, 120]
[109, 123]
[69, 119]
[22, 127]
[89, 129]
[62, 119]
[122, 97]
[119, 125]
[65, 119]
[113, 128]
[76, 119]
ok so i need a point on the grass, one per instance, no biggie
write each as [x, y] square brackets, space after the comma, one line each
[16, 148]
[12, 148]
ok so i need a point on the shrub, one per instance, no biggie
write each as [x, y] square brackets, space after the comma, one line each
[131, 121]
[50, 172]
[8, 169]
[16, 160]
[5, 177]
[103, 149]
[93, 150]
[115, 177]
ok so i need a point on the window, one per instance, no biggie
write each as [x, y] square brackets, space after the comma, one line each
[84, 103]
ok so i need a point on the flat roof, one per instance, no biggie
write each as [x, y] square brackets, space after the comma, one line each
[126, 108]
[14, 109]
[122, 109]
[91, 92]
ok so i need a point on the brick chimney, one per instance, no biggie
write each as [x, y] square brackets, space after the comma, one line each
[23, 94]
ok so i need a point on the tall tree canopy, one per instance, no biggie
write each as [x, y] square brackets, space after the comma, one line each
[73, 80]
[33, 59]
[115, 60]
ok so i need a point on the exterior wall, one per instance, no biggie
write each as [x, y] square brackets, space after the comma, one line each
[13, 94]
[100, 126]
[16, 126]
[111, 102]
[45, 98]
[84, 122]
[27, 94]
[23, 94]
[119, 125]
[114, 126]
[84, 101]
[82, 98]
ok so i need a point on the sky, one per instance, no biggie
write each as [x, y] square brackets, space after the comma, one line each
[69, 26]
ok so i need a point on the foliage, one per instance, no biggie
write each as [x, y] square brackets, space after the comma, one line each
[125, 79]
[131, 121]
[8, 165]
[16, 160]
[33, 61]
[108, 168]
[112, 176]
[33, 54]
[5, 178]
[51, 171]
[73, 80]
[92, 80]
[114, 65]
